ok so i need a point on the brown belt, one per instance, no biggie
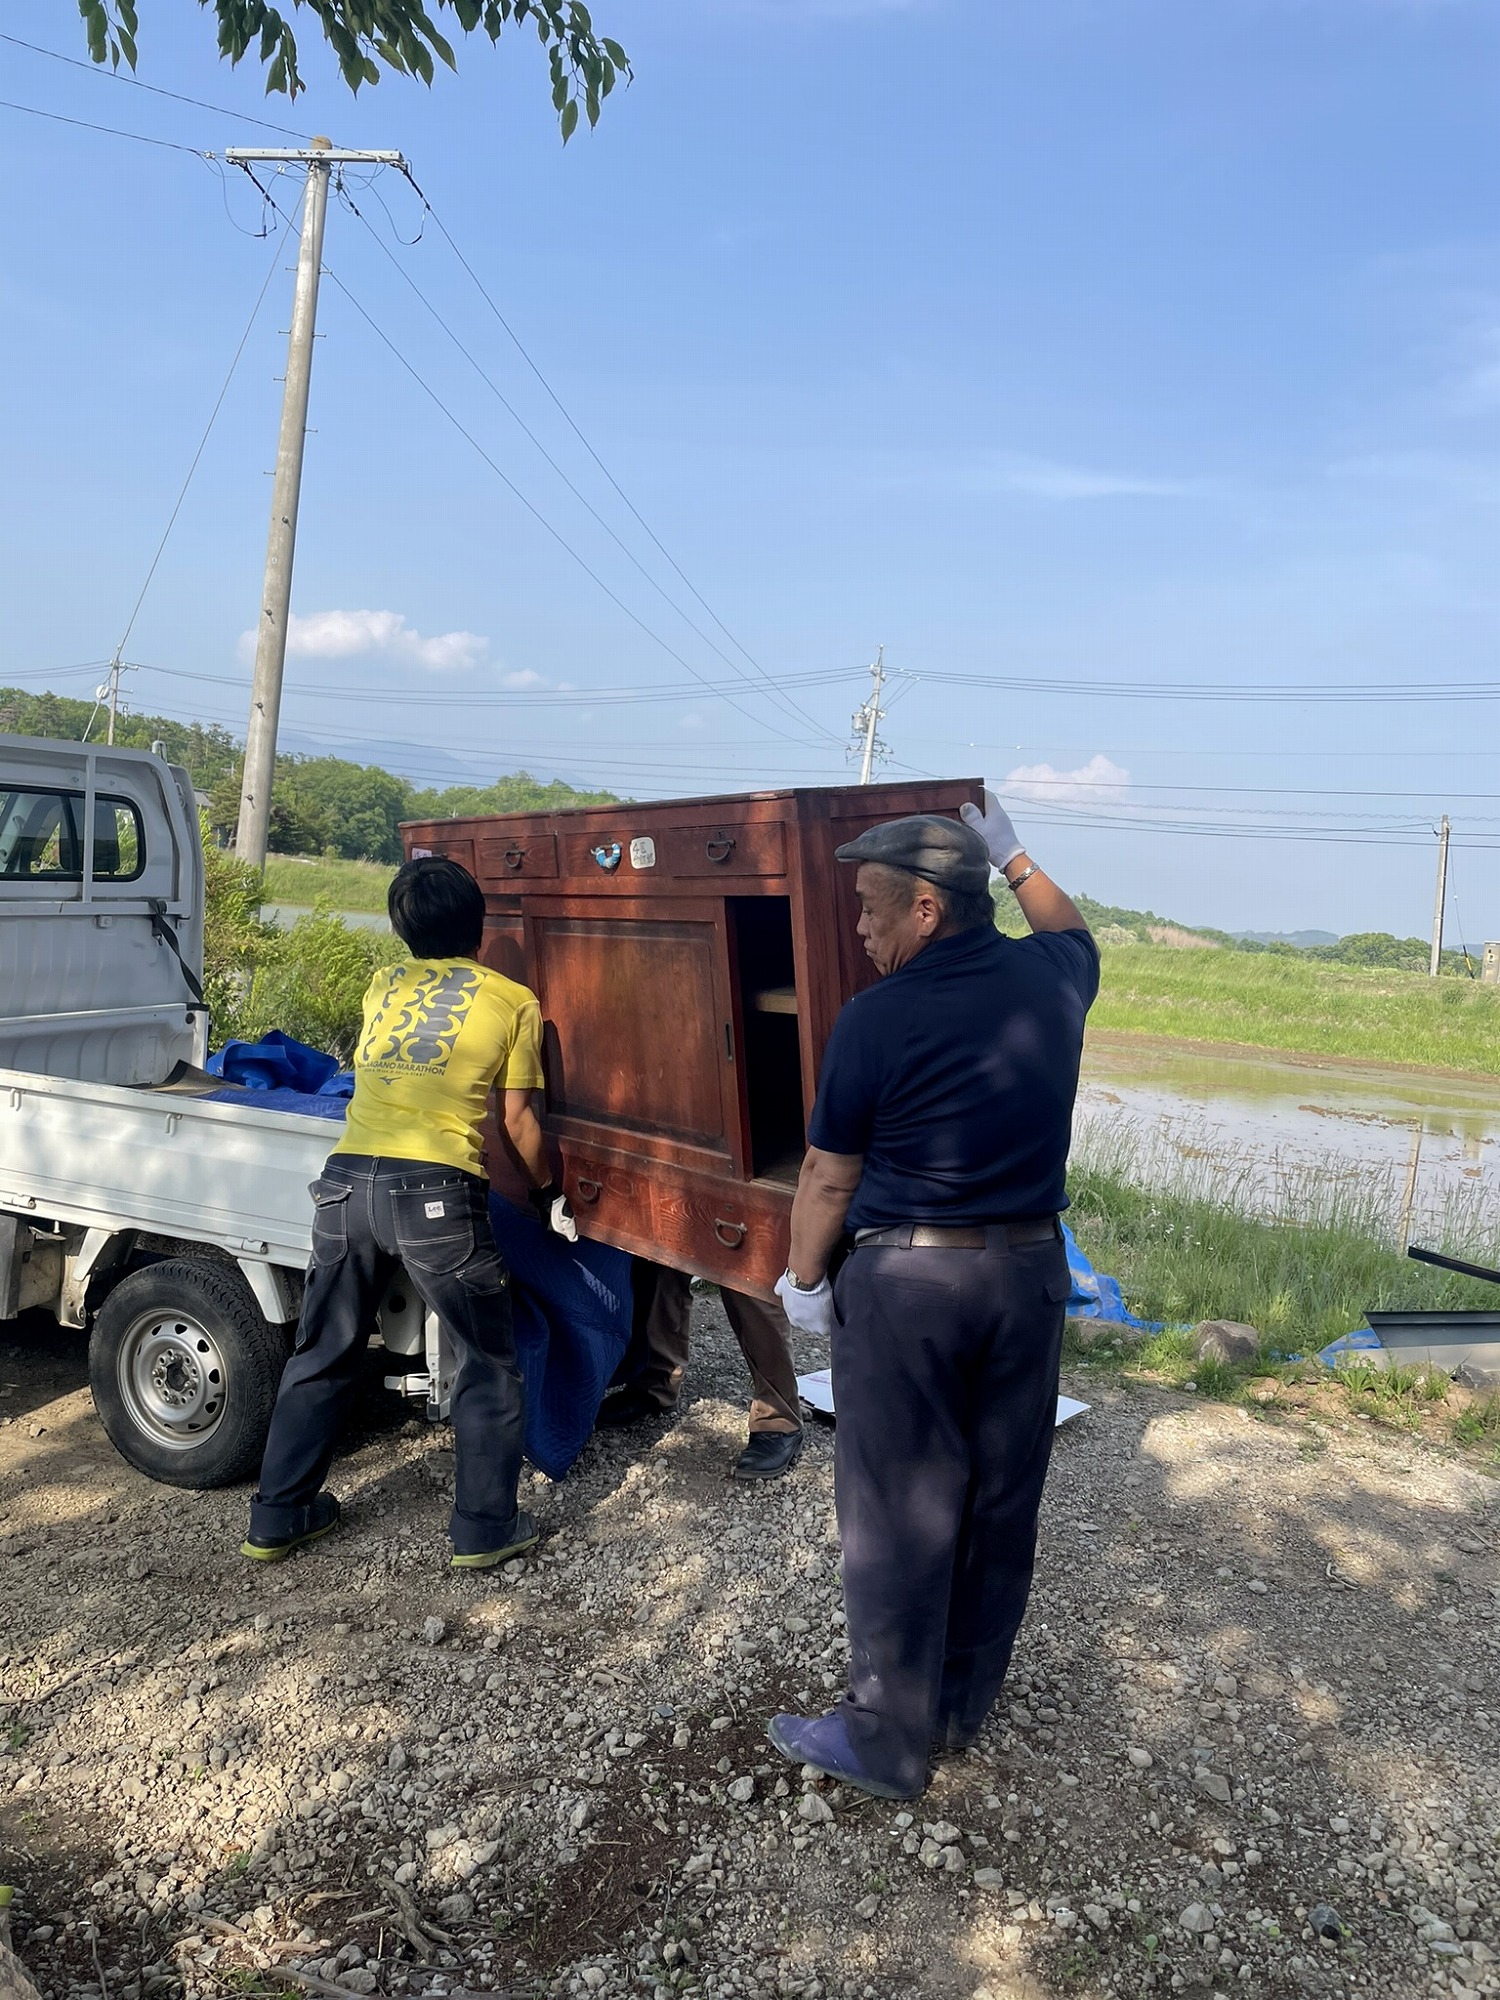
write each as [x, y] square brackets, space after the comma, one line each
[978, 1236]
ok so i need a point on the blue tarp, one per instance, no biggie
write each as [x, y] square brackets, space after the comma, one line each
[571, 1307]
[1095, 1296]
[277, 1063]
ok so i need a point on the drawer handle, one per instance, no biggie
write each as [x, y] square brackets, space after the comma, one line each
[515, 857]
[720, 847]
[730, 1234]
[588, 1190]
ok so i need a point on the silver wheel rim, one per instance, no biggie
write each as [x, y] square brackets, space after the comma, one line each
[172, 1379]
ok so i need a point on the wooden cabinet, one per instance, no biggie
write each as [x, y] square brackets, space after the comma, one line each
[690, 958]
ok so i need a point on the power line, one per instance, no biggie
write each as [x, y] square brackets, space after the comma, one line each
[568, 418]
[507, 698]
[202, 446]
[110, 131]
[1249, 691]
[795, 713]
[156, 90]
[531, 508]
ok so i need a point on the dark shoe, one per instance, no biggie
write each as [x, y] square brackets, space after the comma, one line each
[768, 1455]
[321, 1518]
[524, 1534]
[629, 1406]
[823, 1742]
[951, 1742]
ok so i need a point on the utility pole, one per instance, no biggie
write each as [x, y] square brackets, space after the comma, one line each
[108, 694]
[866, 716]
[286, 489]
[1435, 963]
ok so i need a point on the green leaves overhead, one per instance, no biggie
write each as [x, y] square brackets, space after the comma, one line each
[370, 36]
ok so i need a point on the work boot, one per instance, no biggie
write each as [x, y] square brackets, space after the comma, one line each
[768, 1455]
[320, 1518]
[630, 1406]
[823, 1742]
[524, 1534]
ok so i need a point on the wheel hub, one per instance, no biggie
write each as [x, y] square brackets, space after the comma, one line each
[172, 1378]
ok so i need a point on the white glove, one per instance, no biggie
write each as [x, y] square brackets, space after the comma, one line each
[554, 1211]
[992, 824]
[809, 1312]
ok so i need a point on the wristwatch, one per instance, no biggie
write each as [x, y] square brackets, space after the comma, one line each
[796, 1283]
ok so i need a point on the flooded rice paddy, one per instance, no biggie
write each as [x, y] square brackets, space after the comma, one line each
[1405, 1151]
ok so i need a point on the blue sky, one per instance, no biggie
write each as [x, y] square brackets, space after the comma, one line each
[1088, 346]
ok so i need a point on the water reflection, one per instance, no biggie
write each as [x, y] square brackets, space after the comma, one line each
[1421, 1153]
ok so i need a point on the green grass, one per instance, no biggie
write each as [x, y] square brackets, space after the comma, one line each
[1304, 1005]
[347, 885]
[1301, 1273]
[1299, 1281]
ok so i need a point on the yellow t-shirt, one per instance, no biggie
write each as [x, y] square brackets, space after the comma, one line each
[437, 1035]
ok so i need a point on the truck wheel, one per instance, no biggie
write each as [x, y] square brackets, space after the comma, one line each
[184, 1371]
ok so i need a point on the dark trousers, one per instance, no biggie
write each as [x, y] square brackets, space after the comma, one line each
[945, 1365]
[662, 1335]
[371, 1216]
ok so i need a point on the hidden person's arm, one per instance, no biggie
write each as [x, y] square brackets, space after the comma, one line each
[825, 1188]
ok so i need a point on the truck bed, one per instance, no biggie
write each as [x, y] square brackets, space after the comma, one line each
[168, 1161]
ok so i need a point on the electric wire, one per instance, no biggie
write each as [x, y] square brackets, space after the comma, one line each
[110, 131]
[156, 90]
[577, 431]
[536, 513]
[1247, 691]
[213, 415]
[489, 382]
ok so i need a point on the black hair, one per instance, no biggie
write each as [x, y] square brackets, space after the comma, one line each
[962, 908]
[437, 909]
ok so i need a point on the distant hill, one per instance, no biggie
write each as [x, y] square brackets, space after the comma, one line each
[1299, 940]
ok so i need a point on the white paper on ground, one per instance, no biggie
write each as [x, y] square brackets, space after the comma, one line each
[816, 1390]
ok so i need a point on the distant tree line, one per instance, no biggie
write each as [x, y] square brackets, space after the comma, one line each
[319, 805]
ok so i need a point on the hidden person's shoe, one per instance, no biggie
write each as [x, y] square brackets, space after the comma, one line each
[768, 1455]
[823, 1742]
[319, 1519]
[524, 1535]
[629, 1406]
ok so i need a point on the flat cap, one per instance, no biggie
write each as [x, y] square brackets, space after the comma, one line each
[944, 851]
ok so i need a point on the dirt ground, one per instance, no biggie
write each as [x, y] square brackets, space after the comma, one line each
[1260, 1675]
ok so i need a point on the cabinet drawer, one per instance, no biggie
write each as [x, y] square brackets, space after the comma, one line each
[726, 1231]
[606, 1196]
[755, 849]
[518, 857]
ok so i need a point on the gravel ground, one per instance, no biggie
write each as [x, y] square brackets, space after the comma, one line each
[1259, 1676]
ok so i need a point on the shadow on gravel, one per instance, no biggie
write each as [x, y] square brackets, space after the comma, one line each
[1265, 1622]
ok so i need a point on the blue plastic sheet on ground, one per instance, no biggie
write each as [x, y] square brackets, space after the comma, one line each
[1096, 1297]
[571, 1306]
[277, 1062]
[1361, 1341]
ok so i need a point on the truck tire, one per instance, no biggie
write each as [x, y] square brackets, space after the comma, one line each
[184, 1371]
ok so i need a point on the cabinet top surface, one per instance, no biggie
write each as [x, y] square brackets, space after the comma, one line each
[795, 803]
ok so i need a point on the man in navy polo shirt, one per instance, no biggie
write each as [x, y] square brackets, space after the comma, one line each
[939, 1142]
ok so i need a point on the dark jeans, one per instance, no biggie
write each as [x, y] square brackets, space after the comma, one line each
[371, 1215]
[945, 1366]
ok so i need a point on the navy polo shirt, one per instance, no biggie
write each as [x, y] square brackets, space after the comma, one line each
[955, 1079]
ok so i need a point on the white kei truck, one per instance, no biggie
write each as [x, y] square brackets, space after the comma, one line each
[139, 1198]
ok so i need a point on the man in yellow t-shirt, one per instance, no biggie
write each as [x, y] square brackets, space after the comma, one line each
[404, 1187]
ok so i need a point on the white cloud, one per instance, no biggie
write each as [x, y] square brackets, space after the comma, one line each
[523, 677]
[1098, 782]
[691, 722]
[1050, 479]
[351, 635]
